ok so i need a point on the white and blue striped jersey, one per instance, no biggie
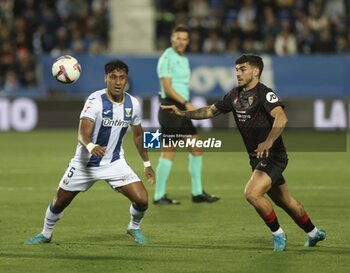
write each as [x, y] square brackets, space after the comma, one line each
[111, 123]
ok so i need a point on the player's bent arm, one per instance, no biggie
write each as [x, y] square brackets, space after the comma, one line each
[279, 123]
[170, 91]
[137, 132]
[277, 129]
[86, 127]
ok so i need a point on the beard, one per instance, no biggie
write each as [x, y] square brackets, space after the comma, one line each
[245, 83]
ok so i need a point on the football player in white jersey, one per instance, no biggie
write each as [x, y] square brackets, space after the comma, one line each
[99, 155]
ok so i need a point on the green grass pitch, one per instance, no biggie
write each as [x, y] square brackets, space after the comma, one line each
[227, 236]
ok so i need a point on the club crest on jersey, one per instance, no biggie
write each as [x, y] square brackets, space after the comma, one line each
[271, 97]
[128, 112]
[250, 100]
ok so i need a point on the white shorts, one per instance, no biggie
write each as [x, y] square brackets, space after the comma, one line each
[80, 178]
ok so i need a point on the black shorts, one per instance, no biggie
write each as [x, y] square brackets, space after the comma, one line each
[172, 126]
[273, 166]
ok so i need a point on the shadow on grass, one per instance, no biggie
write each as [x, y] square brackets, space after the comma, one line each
[129, 255]
[70, 256]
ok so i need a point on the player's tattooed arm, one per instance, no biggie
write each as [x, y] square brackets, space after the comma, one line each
[209, 111]
[202, 113]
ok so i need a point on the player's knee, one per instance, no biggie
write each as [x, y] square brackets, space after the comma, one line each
[141, 202]
[141, 205]
[248, 194]
[251, 196]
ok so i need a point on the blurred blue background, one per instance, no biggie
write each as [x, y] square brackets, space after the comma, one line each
[305, 46]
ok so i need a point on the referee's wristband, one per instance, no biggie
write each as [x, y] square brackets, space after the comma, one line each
[91, 146]
[146, 164]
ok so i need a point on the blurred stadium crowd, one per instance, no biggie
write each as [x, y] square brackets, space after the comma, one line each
[57, 27]
[283, 27]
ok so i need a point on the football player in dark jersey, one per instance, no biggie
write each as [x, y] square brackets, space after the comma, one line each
[260, 118]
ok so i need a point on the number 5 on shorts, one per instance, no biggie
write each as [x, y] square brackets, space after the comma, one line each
[71, 172]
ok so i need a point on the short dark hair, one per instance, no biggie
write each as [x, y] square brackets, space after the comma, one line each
[180, 28]
[253, 60]
[116, 64]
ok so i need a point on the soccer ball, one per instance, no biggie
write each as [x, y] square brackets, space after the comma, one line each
[66, 69]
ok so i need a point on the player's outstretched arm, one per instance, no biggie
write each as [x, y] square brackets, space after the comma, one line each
[205, 112]
[138, 140]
